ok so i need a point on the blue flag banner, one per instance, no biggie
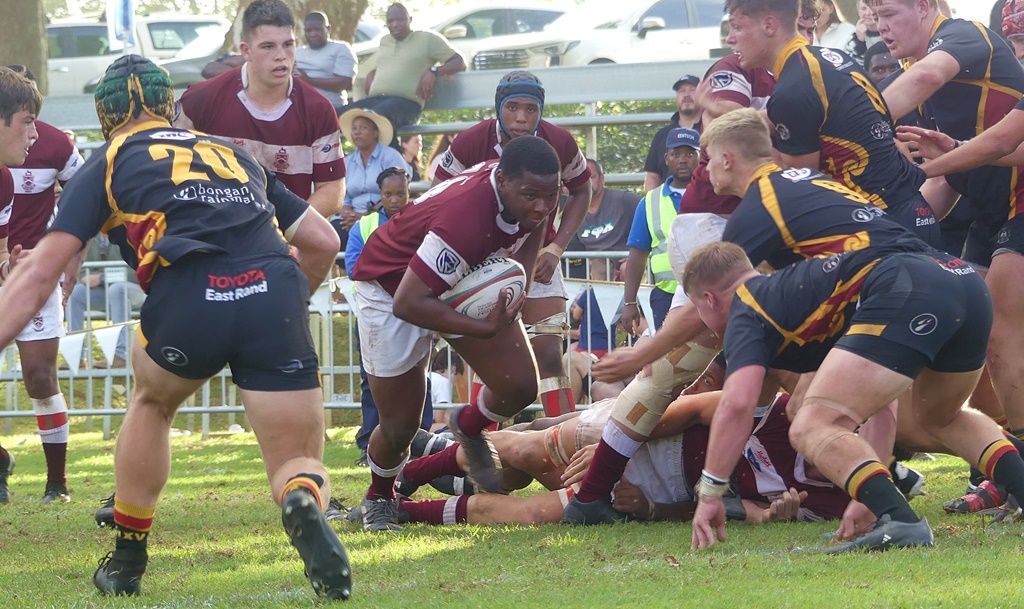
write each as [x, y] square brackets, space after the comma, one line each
[121, 24]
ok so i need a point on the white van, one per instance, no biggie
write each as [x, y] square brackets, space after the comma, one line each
[79, 51]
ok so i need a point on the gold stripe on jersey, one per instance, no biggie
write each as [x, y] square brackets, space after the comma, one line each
[808, 248]
[832, 308]
[869, 329]
[155, 222]
[816, 79]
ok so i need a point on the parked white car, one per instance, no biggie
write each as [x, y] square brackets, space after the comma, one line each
[79, 51]
[603, 31]
[466, 26]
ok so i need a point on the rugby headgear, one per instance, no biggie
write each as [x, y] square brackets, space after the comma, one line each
[517, 83]
[1013, 18]
[132, 85]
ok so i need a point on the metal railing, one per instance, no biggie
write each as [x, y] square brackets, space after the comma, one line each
[92, 391]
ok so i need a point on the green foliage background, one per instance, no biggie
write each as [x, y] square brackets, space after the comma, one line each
[620, 148]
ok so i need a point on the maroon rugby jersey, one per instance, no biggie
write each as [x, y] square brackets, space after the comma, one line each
[482, 142]
[299, 141]
[770, 465]
[6, 200]
[727, 81]
[442, 234]
[51, 158]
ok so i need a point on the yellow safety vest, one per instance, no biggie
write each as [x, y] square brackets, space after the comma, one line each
[370, 223]
[661, 210]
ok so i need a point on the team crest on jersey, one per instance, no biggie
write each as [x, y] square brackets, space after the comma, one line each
[782, 131]
[924, 324]
[831, 263]
[866, 213]
[935, 44]
[721, 80]
[28, 181]
[37, 323]
[179, 136]
[281, 160]
[881, 130]
[1004, 236]
[832, 57]
[447, 262]
[795, 175]
[447, 160]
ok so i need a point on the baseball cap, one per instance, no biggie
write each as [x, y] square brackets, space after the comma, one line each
[686, 79]
[683, 137]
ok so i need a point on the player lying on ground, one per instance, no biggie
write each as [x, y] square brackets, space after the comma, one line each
[657, 484]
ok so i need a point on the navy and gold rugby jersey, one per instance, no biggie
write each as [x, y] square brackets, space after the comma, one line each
[790, 215]
[791, 319]
[824, 102]
[989, 84]
[165, 193]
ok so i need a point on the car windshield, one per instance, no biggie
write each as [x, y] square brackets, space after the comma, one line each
[593, 15]
[210, 38]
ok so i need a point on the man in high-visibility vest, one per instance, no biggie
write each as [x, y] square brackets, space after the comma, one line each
[652, 224]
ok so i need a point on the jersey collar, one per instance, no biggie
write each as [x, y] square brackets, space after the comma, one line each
[256, 113]
[509, 228]
[761, 172]
[935, 26]
[794, 45]
[147, 125]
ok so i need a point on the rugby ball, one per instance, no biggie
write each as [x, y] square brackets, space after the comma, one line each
[480, 288]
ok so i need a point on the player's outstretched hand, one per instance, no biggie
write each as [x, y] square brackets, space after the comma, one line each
[787, 506]
[578, 465]
[618, 365]
[925, 143]
[857, 520]
[708, 522]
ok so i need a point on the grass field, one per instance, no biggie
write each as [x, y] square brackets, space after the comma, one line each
[218, 542]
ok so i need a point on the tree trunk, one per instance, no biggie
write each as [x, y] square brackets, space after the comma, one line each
[25, 44]
[343, 15]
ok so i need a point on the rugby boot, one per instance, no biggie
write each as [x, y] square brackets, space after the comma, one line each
[105, 515]
[908, 481]
[889, 534]
[1009, 512]
[598, 511]
[425, 443]
[325, 559]
[454, 485]
[380, 514]
[483, 467]
[120, 573]
[984, 499]
[55, 493]
[5, 471]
